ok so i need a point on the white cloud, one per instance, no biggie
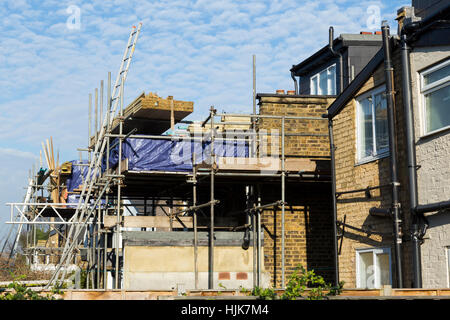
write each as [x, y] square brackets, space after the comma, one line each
[8, 152]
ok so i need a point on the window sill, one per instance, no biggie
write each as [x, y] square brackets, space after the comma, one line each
[371, 159]
[435, 132]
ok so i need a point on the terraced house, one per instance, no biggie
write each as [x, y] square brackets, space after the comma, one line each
[390, 135]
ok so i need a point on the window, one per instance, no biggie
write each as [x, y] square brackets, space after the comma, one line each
[324, 82]
[372, 126]
[448, 266]
[373, 268]
[435, 90]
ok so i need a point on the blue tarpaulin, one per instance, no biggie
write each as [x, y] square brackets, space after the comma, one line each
[171, 155]
[78, 174]
[158, 155]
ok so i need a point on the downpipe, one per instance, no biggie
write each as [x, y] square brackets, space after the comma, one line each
[395, 206]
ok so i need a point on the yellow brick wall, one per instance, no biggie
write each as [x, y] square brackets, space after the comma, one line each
[308, 234]
[305, 146]
[350, 176]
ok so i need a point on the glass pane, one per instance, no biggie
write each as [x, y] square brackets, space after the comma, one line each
[437, 75]
[381, 124]
[436, 104]
[332, 80]
[366, 270]
[323, 78]
[448, 265]
[314, 85]
[365, 129]
[383, 268]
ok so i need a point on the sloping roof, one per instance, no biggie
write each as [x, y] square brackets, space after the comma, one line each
[355, 85]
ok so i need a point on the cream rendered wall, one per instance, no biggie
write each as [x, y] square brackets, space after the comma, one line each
[165, 267]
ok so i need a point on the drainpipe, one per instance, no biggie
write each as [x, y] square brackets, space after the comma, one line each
[339, 55]
[295, 81]
[411, 158]
[333, 193]
[395, 207]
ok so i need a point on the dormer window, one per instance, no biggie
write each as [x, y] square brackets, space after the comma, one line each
[324, 82]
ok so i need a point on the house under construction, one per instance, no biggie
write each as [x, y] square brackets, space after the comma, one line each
[234, 200]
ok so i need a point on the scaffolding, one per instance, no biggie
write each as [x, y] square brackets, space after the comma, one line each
[94, 224]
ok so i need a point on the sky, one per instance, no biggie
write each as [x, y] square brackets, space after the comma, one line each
[54, 53]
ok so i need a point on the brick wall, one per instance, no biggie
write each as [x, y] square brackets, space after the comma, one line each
[298, 106]
[308, 233]
[309, 213]
[370, 231]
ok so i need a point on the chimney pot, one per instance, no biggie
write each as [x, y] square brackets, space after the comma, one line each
[280, 91]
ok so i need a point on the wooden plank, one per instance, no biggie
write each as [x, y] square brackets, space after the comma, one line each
[265, 163]
[109, 221]
[156, 222]
[148, 222]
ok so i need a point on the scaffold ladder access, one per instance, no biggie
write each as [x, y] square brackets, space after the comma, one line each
[87, 205]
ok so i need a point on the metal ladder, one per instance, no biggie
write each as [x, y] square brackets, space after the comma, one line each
[29, 195]
[85, 208]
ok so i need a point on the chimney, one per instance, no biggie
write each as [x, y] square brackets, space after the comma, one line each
[377, 32]
[280, 91]
[291, 92]
[365, 32]
[405, 15]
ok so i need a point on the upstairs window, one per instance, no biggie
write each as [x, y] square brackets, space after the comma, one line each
[372, 126]
[435, 91]
[324, 82]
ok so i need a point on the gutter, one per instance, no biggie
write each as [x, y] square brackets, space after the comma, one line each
[295, 81]
[395, 205]
[412, 166]
[339, 55]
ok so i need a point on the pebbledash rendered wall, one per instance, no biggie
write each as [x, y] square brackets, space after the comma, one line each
[433, 176]
[309, 212]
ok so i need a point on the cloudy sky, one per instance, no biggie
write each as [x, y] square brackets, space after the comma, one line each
[54, 53]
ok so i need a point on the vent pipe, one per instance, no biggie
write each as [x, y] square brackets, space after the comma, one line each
[339, 55]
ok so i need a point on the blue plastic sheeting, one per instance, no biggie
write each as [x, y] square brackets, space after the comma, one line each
[171, 155]
[76, 179]
[79, 173]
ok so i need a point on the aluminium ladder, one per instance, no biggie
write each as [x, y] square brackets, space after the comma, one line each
[85, 208]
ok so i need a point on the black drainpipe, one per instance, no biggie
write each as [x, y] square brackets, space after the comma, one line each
[395, 207]
[295, 81]
[333, 194]
[339, 55]
[412, 167]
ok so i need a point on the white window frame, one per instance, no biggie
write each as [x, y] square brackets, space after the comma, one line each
[383, 153]
[429, 88]
[374, 251]
[447, 255]
[317, 75]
